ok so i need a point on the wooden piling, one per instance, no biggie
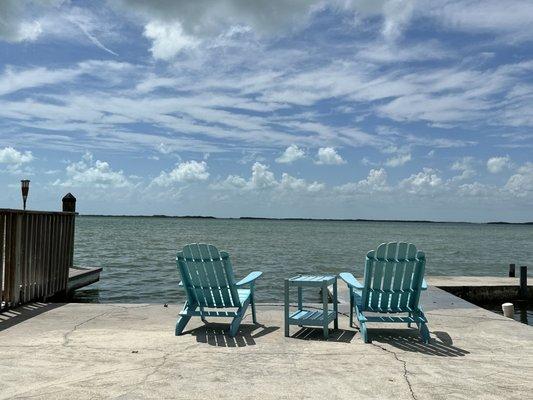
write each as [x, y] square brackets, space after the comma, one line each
[511, 270]
[523, 283]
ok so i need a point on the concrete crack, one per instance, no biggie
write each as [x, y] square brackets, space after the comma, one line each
[66, 335]
[156, 368]
[405, 370]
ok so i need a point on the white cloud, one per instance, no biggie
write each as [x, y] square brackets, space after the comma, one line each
[9, 155]
[291, 154]
[93, 173]
[397, 14]
[375, 182]
[262, 179]
[466, 166]
[329, 156]
[168, 39]
[510, 18]
[398, 160]
[521, 183]
[188, 171]
[498, 164]
[15, 26]
[425, 182]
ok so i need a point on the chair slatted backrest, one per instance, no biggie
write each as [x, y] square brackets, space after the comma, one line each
[393, 278]
[207, 276]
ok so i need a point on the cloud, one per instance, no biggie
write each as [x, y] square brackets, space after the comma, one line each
[167, 39]
[397, 14]
[398, 160]
[426, 181]
[498, 164]
[15, 26]
[9, 155]
[262, 179]
[521, 183]
[375, 182]
[509, 19]
[188, 171]
[291, 154]
[466, 166]
[93, 173]
[329, 156]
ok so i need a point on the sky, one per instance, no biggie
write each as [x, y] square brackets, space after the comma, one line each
[313, 109]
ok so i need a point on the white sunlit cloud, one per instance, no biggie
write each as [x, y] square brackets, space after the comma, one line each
[328, 156]
[498, 164]
[466, 167]
[89, 172]
[398, 160]
[188, 171]
[291, 154]
[9, 155]
[521, 183]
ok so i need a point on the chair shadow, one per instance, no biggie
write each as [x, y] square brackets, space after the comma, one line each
[336, 335]
[216, 334]
[14, 316]
[440, 343]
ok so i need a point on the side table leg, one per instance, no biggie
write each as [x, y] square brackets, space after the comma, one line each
[335, 305]
[286, 307]
[300, 299]
[325, 311]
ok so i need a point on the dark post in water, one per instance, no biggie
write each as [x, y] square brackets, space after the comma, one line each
[69, 203]
[511, 270]
[523, 283]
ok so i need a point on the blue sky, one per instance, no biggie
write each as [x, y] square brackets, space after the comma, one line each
[337, 109]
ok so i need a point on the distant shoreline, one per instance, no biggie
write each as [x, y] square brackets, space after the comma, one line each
[304, 219]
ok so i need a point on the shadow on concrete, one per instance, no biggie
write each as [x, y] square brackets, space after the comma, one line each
[12, 317]
[335, 335]
[216, 334]
[441, 344]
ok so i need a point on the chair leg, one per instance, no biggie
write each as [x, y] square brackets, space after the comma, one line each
[422, 327]
[252, 303]
[183, 320]
[410, 316]
[351, 311]
[424, 332]
[234, 326]
[364, 332]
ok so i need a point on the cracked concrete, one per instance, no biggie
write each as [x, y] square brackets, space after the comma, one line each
[102, 351]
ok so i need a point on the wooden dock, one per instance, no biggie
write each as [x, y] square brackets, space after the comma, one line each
[79, 277]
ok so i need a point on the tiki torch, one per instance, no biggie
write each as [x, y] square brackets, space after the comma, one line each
[25, 187]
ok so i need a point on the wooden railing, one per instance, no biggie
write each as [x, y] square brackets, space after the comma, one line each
[36, 251]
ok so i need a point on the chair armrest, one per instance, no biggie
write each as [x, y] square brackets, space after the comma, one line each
[252, 276]
[424, 285]
[350, 280]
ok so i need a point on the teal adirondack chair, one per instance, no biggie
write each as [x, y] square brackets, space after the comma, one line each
[207, 276]
[393, 280]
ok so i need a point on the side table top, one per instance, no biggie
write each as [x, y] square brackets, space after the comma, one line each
[312, 280]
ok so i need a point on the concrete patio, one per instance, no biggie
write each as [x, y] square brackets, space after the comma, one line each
[102, 351]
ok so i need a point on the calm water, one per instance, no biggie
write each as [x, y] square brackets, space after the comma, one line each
[138, 254]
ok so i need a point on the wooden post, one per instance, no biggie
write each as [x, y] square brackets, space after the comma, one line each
[523, 283]
[511, 270]
[69, 203]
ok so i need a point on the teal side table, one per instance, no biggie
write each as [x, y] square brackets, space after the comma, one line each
[307, 316]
